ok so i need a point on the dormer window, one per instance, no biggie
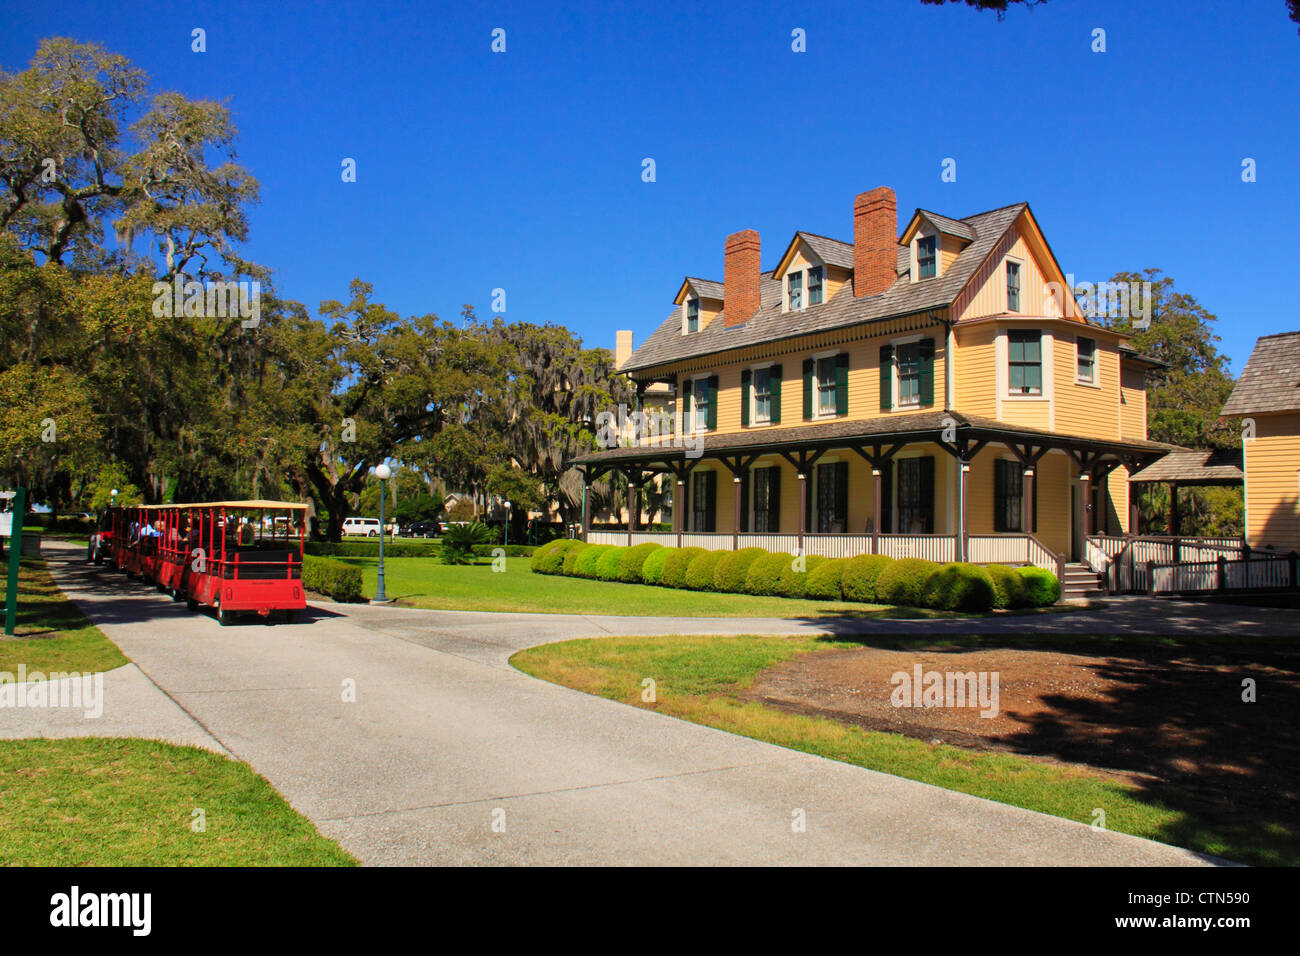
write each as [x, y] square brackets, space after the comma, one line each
[927, 258]
[692, 315]
[794, 283]
[815, 285]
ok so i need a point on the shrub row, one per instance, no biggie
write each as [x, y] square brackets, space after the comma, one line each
[869, 578]
[337, 580]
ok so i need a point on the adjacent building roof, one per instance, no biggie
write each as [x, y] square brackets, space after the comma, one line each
[770, 323]
[833, 252]
[1270, 382]
[1195, 466]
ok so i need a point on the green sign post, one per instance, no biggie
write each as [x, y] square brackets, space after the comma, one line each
[15, 554]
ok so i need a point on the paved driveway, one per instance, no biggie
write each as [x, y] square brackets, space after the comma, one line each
[444, 739]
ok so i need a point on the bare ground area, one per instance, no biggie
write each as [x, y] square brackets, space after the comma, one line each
[1171, 719]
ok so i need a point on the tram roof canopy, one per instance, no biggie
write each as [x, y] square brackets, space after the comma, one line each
[253, 503]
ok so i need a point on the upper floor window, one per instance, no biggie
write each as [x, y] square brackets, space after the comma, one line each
[1025, 361]
[692, 315]
[700, 404]
[1086, 365]
[1013, 286]
[927, 259]
[815, 285]
[794, 282]
[907, 357]
[762, 396]
[826, 385]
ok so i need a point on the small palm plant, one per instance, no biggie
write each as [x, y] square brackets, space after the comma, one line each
[458, 541]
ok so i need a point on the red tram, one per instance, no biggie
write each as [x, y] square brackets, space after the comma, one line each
[234, 556]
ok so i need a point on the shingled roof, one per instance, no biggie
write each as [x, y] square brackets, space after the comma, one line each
[705, 288]
[1195, 466]
[770, 323]
[1270, 382]
[949, 227]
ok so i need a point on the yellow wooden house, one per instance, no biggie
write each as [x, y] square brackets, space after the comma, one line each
[1267, 399]
[930, 391]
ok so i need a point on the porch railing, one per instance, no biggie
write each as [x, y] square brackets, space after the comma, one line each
[1155, 564]
[1256, 571]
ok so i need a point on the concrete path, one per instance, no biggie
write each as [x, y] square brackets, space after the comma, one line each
[444, 740]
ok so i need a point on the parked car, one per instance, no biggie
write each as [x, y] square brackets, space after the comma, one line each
[364, 526]
[422, 529]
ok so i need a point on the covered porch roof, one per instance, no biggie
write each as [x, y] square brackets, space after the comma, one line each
[876, 439]
[1195, 466]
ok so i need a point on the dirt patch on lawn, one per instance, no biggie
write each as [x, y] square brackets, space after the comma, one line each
[1151, 715]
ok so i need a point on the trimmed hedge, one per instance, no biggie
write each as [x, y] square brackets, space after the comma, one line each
[652, 571]
[824, 580]
[959, 586]
[764, 575]
[699, 573]
[1008, 586]
[674, 575]
[549, 558]
[607, 563]
[794, 583]
[570, 565]
[370, 549]
[867, 578]
[334, 579]
[1041, 587]
[730, 574]
[633, 560]
[903, 581]
[859, 580]
[588, 558]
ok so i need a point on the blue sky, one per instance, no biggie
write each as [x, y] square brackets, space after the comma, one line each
[522, 170]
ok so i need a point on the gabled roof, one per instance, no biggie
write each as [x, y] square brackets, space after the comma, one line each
[1270, 382]
[770, 323]
[703, 288]
[943, 224]
[832, 252]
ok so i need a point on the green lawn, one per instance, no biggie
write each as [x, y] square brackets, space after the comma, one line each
[426, 582]
[51, 634]
[701, 679]
[123, 802]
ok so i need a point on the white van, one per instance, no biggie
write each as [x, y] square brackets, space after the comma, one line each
[366, 526]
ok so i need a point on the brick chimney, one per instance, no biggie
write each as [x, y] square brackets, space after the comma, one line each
[875, 241]
[740, 278]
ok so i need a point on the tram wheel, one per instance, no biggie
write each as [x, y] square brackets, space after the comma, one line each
[224, 617]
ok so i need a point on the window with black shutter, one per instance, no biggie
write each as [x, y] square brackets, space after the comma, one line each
[832, 497]
[1008, 495]
[916, 495]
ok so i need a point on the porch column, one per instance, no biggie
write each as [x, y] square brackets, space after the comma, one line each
[1027, 502]
[803, 507]
[1133, 513]
[876, 515]
[633, 506]
[964, 467]
[1175, 519]
[735, 524]
[1085, 484]
[586, 504]
[679, 509]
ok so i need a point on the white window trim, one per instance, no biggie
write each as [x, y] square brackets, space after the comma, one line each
[1095, 382]
[916, 255]
[753, 395]
[895, 401]
[1044, 361]
[1006, 289]
[810, 262]
[686, 306]
[816, 385]
[694, 429]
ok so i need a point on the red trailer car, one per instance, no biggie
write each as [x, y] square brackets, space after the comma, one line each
[135, 540]
[245, 556]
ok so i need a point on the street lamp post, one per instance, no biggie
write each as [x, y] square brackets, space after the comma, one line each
[383, 473]
[112, 498]
[507, 541]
